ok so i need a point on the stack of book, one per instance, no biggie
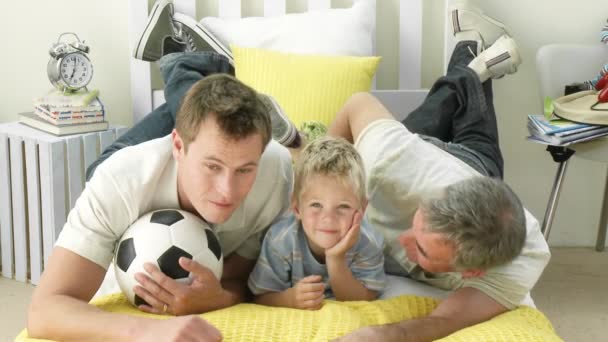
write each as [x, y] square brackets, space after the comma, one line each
[561, 132]
[67, 113]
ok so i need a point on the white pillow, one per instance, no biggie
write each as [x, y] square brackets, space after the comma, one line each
[335, 31]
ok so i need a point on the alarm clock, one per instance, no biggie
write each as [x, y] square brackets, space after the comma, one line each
[69, 68]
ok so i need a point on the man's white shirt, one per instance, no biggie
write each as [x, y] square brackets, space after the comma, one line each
[142, 178]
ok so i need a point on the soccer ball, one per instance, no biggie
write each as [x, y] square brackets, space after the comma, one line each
[162, 237]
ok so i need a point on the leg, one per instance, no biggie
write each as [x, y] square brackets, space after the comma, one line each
[185, 56]
[180, 71]
[459, 110]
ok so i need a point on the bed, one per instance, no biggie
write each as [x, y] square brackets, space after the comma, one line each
[405, 298]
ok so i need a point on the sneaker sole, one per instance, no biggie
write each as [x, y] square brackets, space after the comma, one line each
[213, 42]
[138, 53]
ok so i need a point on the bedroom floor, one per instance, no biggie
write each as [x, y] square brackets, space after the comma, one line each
[571, 292]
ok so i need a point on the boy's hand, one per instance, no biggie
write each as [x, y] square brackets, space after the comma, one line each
[308, 293]
[338, 251]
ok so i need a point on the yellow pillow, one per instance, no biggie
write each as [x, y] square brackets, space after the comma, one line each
[308, 87]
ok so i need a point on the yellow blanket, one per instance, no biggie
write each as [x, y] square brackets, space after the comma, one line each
[250, 322]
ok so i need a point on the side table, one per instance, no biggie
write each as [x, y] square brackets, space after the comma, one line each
[41, 176]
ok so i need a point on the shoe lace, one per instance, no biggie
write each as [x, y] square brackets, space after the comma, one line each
[184, 37]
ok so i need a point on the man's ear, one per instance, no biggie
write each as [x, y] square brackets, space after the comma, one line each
[178, 145]
[473, 273]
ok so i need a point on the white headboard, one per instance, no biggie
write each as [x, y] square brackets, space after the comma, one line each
[409, 39]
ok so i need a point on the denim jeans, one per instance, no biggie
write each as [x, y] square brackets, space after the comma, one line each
[179, 71]
[457, 115]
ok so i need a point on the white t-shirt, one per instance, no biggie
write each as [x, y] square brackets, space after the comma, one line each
[142, 178]
[400, 168]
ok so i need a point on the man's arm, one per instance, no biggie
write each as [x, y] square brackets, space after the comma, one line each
[465, 307]
[235, 275]
[359, 111]
[60, 311]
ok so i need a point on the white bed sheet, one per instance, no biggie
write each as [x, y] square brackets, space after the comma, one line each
[397, 286]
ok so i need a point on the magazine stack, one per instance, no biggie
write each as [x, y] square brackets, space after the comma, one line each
[561, 132]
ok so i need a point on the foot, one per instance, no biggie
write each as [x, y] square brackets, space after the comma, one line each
[500, 59]
[198, 38]
[283, 130]
[470, 23]
[157, 39]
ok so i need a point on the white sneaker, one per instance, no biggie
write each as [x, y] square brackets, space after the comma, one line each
[500, 59]
[198, 38]
[467, 17]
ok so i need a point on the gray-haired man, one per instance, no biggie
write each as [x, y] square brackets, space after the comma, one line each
[445, 221]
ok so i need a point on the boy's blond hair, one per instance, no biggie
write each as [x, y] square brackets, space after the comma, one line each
[334, 157]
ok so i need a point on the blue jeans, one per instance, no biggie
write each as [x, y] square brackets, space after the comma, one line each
[457, 115]
[179, 71]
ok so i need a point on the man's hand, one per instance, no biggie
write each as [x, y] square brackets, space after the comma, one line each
[205, 293]
[308, 293]
[338, 251]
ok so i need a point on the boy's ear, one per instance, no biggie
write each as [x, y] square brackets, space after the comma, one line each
[364, 206]
[294, 206]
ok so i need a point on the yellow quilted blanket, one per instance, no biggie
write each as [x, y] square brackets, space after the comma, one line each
[251, 322]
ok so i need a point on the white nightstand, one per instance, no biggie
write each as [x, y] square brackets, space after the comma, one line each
[41, 176]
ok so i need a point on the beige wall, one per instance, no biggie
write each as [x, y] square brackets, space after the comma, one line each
[29, 27]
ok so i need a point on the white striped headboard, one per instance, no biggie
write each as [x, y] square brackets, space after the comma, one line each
[408, 38]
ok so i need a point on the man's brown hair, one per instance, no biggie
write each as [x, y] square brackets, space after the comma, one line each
[235, 106]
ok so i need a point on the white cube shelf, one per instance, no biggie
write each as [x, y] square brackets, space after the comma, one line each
[41, 176]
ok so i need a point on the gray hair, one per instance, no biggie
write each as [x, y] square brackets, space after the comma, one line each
[482, 217]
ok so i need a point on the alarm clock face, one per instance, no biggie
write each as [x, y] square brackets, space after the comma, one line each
[76, 70]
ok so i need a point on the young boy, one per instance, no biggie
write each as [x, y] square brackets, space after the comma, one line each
[322, 248]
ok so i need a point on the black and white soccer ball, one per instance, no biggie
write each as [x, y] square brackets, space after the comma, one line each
[162, 237]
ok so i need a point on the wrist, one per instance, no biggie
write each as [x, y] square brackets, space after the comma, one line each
[289, 297]
[227, 299]
[335, 260]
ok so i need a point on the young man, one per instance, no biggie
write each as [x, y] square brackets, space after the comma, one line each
[444, 223]
[218, 162]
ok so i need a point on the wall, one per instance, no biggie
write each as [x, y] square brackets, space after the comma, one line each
[29, 27]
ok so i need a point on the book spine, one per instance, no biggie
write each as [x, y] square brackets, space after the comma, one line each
[67, 120]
